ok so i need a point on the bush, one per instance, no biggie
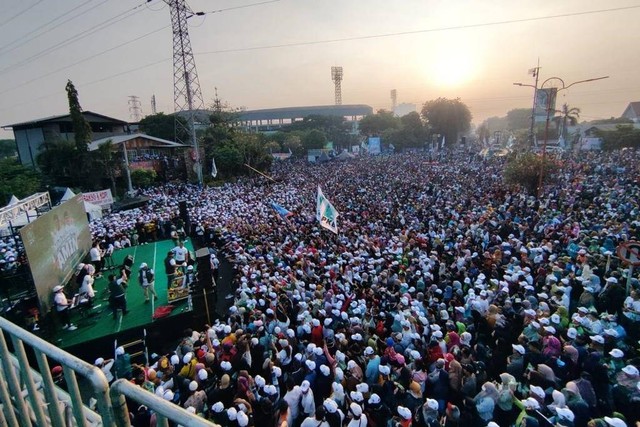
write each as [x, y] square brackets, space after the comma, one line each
[143, 178]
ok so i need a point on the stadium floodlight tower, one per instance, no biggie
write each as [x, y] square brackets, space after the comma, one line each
[187, 96]
[336, 76]
[394, 100]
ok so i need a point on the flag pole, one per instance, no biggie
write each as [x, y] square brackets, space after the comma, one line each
[257, 171]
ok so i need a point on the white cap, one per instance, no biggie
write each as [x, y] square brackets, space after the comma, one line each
[325, 370]
[615, 422]
[617, 353]
[538, 391]
[374, 399]
[57, 288]
[368, 351]
[260, 381]
[311, 365]
[356, 396]
[330, 405]
[362, 388]
[598, 338]
[271, 390]
[119, 351]
[531, 403]
[203, 374]
[232, 413]
[193, 386]
[99, 361]
[631, 370]
[305, 386]
[168, 395]
[355, 409]
[174, 359]
[404, 412]
[384, 369]
[217, 407]
[519, 348]
[143, 265]
[432, 404]
[565, 414]
[572, 333]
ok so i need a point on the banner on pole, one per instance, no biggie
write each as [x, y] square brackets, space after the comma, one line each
[326, 214]
[214, 169]
[545, 100]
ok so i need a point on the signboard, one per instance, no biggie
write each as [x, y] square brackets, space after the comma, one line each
[545, 102]
[630, 253]
[177, 291]
[100, 198]
[374, 145]
[55, 244]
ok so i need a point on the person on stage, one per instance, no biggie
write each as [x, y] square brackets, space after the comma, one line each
[181, 255]
[117, 295]
[96, 255]
[62, 307]
[147, 279]
[170, 268]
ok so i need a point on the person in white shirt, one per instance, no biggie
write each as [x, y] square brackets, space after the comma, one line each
[86, 290]
[105, 366]
[317, 420]
[181, 255]
[95, 254]
[62, 307]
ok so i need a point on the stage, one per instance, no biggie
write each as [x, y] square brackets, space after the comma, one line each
[100, 324]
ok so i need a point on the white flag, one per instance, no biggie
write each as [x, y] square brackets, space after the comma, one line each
[326, 213]
[214, 169]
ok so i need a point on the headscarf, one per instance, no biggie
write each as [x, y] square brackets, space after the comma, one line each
[572, 352]
[546, 372]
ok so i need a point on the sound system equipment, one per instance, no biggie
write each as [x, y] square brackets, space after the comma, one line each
[203, 268]
[204, 296]
[184, 216]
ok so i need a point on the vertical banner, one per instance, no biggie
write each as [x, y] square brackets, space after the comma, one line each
[374, 145]
[545, 99]
[326, 214]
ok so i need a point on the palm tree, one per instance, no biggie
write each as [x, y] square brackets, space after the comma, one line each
[568, 117]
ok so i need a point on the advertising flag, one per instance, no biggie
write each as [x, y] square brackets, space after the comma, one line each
[545, 100]
[326, 213]
[214, 169]
[283, 212]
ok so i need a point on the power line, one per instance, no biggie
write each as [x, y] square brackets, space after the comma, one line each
[75, 38]
[6, 21]
[242, 7]
[14, 87]
[427, 30]
[24, 39]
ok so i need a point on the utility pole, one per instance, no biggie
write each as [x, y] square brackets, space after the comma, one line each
[394, 100]
[187, 96]
[154, 111]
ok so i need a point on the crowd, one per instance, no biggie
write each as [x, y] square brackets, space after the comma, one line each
[445, 299]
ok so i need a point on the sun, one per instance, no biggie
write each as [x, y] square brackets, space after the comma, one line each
[451, 69]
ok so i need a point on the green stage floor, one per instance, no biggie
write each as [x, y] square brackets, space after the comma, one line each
[102, 323]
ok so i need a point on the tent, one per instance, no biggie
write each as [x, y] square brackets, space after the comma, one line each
[14, 201]
[94, 211]
[68, 195]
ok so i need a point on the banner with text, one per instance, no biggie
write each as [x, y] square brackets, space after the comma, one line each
[55, 244]
[100, 198]
[545, 100]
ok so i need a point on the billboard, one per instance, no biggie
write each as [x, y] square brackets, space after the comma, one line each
[100, 198]
[55, 243]
[374, 145]
[545, 100]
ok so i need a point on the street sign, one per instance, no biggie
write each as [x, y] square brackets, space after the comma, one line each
[630, 253]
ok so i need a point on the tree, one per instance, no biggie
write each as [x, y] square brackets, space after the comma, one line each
[81, 128]
[107, 163]
[624, 136]
[8, 148]
[143, 178]
[58, 163]
[524, 170]
[163, 126]
[376, 124]
[449, 117]
[314, 139]
[519, 118]
[18, 180]
[293, 142]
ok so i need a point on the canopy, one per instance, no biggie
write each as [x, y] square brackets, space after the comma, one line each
[14, 201]
[94, 211]
[68, 195]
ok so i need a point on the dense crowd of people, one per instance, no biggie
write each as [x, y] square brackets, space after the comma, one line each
[447, 298]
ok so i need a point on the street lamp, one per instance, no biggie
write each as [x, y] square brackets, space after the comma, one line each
[550, 98]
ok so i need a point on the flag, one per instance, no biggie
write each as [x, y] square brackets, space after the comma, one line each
[326, 213]
[533, 71]
[443, 142]
[283, 212]
[214, 169]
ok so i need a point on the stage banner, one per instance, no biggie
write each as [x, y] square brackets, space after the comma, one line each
[100, 198]
[545, 99]
[55, 244]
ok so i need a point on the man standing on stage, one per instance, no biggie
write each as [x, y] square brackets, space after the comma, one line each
[117, 296]
[181, 255]
[96, 257]
[170, 268]
[147, 279]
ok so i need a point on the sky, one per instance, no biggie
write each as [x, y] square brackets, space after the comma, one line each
[279, 53]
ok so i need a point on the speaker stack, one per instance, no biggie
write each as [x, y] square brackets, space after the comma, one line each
[204, 293]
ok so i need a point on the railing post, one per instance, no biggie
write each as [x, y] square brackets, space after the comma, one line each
[8, 406]
[34, 396]
[120, 410]
[49, 390]
[14, 385]
[74, 393]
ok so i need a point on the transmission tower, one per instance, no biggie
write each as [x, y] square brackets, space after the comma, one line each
[153, 105]
[187, 96]
[135, 108]
[394, 100]
[336, 76]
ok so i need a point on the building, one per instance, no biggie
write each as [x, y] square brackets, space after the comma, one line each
[632, 112]
[272, 119]
[404, 109]
[31, 137]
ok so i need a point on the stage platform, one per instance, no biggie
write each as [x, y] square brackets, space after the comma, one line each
[101, 325]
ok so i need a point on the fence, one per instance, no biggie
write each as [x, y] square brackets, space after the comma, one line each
[29, 397]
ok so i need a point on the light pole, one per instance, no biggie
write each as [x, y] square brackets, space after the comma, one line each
[548, 107]
[536, 73]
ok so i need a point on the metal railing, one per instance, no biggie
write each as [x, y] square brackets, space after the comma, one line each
[164, 409]
[29, 397]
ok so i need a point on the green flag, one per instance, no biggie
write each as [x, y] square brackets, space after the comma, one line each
[326, 213]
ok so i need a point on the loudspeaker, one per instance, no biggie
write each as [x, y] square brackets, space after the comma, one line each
[204, 271]
[184, 215]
